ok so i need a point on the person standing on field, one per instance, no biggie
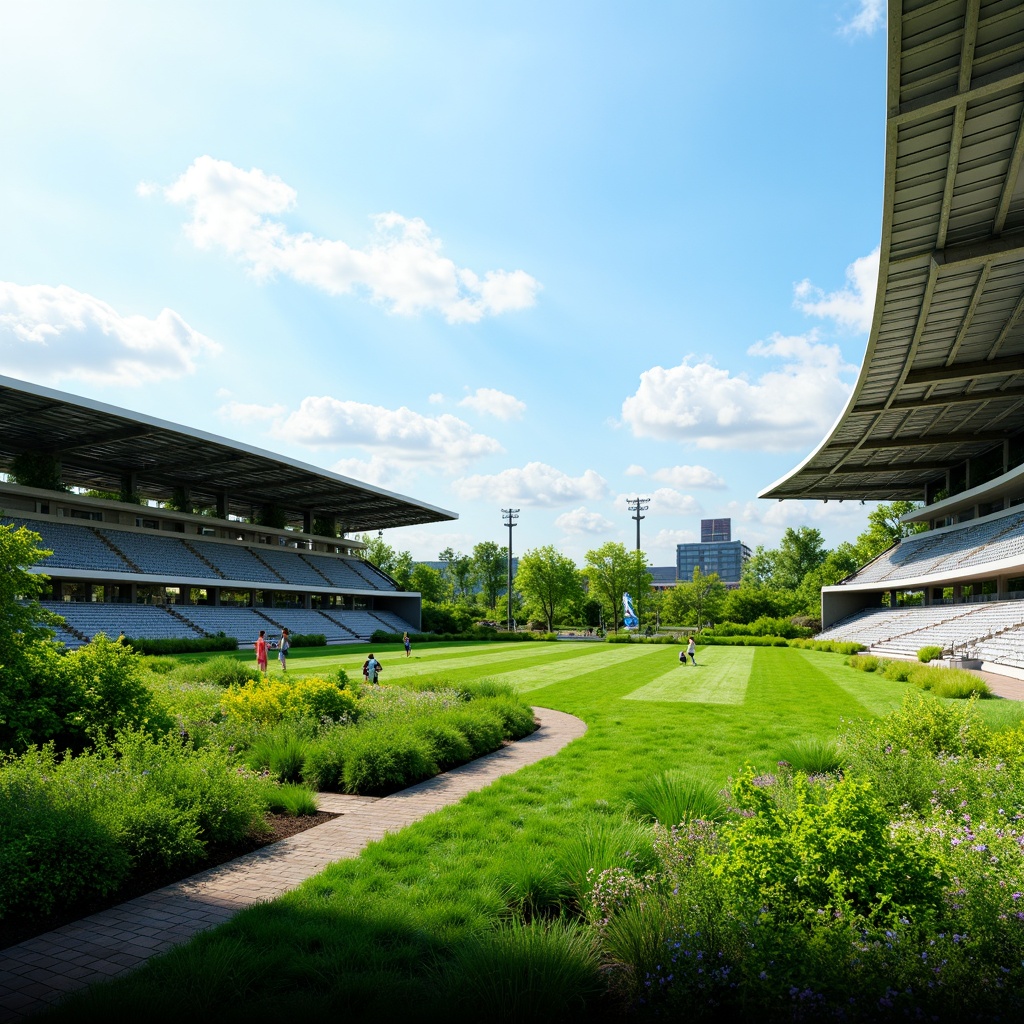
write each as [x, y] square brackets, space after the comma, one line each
[691, 650]
[407, 643]
[261, 651]
[371, 670]
[282, 653]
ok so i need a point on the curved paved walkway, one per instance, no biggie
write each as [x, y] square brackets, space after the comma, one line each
[39, 972]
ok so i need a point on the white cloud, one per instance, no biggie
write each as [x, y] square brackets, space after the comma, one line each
[787, 407]
[535, 484]
[869, 17]
[436, 398]
[580, 521]
[661, 549]
[851, 307]
[689, 476]
[401, 435]
[402, 268]
[764, 522]
[494, 403]
[59, 333]
[250, 413]
[635, 470]
[375, 470]
[664, 501]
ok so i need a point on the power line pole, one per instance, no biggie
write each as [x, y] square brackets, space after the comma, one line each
[510, 516]
[638, 505]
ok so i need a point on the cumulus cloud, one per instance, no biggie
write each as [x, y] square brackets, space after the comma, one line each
[402, 268]
[535, 484]
[635, 470]
[400, 435]
[436, 398]
[494, 403]
[580, 521]
[59, 333]
[787, 407]
[851, 307]
[665, 501]
[375, 470]
[869, 17]
[689, 476]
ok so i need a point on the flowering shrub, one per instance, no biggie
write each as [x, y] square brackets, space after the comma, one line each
[273, 700]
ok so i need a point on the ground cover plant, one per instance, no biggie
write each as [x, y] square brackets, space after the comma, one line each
[549, 881]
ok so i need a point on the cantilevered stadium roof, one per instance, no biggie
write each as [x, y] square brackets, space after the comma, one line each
[101, 446]
[943, 375]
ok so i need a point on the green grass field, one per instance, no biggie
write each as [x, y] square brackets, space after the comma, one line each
[371, 937]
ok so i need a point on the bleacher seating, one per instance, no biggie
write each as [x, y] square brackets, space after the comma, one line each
[74, 547]
[158, 555]
[291, 566]
[237, 562]
[244, 624]
[987, 540]
[1007, 648]
[90, 618]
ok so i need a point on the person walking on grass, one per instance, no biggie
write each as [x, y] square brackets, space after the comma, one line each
[282, 652]
[691, 650]
[261, 651]
[407, 643]
[371, 670]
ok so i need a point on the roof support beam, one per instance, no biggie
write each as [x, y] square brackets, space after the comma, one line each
[918, 110]
[966, 371]
[892, 443]
[939, 401]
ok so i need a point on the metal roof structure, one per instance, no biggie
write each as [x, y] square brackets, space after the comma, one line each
[101, 446]
[942, 380]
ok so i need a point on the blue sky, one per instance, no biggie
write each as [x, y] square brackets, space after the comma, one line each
[546, 255]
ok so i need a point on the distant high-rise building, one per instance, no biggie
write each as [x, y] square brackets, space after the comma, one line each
[716, 552]
[715, 531]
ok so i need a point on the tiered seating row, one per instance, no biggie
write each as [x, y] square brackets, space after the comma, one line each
[988, 540]
[965, 631]
[1005, 649]
[150, 621]
[877, 625]
[81, 547]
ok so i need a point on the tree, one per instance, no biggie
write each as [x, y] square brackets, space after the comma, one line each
[429, 582]
[380, 553]
[800, 551]
[402, 571]
[885, 529]
[549, 578]
[696, 601]
[463, 575]
[490, 563]
[611, 570]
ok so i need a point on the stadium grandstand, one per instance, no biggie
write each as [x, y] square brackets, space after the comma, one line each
[157, 530]
[937, 413]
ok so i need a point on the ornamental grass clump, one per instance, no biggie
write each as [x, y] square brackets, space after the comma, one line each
[543, 970]
[815, 755]
[672, 797]
[384, 757]
[601, 844]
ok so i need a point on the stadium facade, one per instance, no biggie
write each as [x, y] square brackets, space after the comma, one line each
[158, 530]
[937, 412]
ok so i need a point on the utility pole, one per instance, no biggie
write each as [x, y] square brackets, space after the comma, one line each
[510, 516]
[638, 505]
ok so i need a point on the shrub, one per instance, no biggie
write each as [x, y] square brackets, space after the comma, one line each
[481, 726]
[930, 653]
[53, 851]
[673, 797]
[273, 700]
[324, 765]
[516, 717]
[863, 662]
[105, 692]
[222, 671]
[307, 640]
[811, 848]
[599, 845]
[182, 645]
[897, 671]
[380, 759]
[449, 746]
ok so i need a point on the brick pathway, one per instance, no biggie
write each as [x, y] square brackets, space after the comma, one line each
[37, 973]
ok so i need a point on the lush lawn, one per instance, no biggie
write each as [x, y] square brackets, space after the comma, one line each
[376, 937]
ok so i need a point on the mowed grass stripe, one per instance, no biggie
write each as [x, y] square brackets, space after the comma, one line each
[397, 666]
[719, 677]
[875, 694]
[535, 677]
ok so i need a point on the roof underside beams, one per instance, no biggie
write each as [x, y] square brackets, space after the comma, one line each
[943, 375]
[102, 447]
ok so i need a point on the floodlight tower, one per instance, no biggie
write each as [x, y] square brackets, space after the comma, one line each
[638, 505]
[510, 516]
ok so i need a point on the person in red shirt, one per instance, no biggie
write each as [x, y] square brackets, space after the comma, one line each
[261, 651]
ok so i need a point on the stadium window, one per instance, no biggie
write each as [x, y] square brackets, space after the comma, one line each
[147, 524]
[78, 513]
